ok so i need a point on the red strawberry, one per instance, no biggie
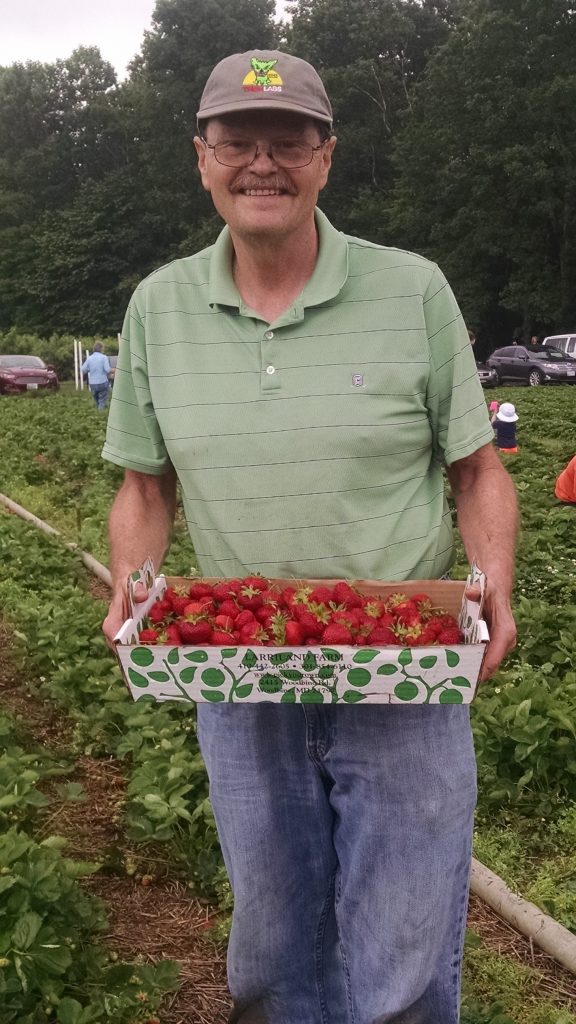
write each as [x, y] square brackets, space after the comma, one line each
[201, 607]
[148, 636]
[195, 632]
[221, 636]
[225, 622]
[171, 635]
[382, 636]
[450, 635]
[245, 618]
[250, 597]
[160, 611]
[229, 607]
[311, 625]
[256, 583]
[197, 590]
[321, 595]
[254, 634]
[344, 594]
[294, 635]
[337, 633]
[373, 607]
[407, 613]
[225, 590]
[179, 603]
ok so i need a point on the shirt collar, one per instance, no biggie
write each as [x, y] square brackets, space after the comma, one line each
[328, 277]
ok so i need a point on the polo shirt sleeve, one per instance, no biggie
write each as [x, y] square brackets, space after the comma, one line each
[133, 438]
[455, 399]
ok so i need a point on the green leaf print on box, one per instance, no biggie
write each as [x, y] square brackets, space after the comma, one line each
[308, 676]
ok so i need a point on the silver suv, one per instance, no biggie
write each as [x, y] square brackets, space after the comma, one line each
[565, 343]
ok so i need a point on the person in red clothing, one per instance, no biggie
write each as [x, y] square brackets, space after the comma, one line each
[565, 489]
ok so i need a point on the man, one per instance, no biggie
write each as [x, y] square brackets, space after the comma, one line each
[307, 388]
[97, 367]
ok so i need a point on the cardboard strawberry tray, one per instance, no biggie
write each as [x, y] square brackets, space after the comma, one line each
[323, 674]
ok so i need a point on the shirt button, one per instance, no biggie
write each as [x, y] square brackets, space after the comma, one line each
[269, 335]
[270, 369]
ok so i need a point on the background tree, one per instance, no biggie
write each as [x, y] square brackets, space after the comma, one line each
[486, 169]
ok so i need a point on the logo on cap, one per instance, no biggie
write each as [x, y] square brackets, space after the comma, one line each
[262, 77]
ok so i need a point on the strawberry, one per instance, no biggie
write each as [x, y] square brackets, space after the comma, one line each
[294, 597]
[311, 625]
[450, 635]
[225, 590]
[407, 613]
[202, 606]
[250, 597]
[382, 636]
[197, 590]
[245, 618]
[179, 603]
[336, 633]
[225, 622]
[171, 635]
[148, 636]
[221, 636]
[256, 583]
[254, 634]
[160, 611]
[344, 594]
[321, 595]
[373, 607]
[195, 632]
[294, 635]
[228, 607]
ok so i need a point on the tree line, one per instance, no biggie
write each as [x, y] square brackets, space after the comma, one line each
[456, 125]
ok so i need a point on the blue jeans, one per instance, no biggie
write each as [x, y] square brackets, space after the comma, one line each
[347, 837]
[100, 394]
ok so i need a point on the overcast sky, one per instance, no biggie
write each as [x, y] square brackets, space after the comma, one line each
[47, 30]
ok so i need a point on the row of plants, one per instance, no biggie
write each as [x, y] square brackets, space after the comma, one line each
[524, 751]
[53, 964]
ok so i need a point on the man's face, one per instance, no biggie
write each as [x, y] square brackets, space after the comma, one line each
[262, 199]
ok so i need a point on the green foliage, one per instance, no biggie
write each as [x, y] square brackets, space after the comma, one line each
[49, 965]
[485, 182]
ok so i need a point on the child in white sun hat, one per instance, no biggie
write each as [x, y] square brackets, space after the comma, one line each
[505, 427]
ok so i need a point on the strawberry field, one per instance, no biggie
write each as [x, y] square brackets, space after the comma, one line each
[54, 961]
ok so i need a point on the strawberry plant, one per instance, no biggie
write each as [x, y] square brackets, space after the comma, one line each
[50, 967]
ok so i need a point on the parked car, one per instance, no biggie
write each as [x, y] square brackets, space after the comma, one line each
[517, 364]
[488, 376]
[563, 342]
[19, 374]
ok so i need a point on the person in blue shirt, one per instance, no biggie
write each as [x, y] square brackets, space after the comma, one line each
[97, 367]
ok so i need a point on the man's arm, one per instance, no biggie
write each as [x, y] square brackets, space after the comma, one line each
[487, 512]
[140, 524]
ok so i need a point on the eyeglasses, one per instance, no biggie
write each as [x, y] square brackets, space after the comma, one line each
[284, 152]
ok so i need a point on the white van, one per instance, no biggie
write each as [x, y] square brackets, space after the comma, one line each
[563, 342]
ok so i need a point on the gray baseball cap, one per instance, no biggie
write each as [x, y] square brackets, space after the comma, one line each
[264, 80]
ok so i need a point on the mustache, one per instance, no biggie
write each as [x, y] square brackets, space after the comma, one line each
[272, 181]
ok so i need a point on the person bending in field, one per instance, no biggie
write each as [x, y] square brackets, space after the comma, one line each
[308, 390]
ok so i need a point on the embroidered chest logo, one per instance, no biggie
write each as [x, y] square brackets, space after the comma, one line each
[357, 380]
[262, 77]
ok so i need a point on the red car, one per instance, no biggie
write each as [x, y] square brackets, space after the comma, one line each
[19, 374]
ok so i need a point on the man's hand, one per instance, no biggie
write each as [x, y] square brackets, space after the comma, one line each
[501, 626]
[140, 526]
[119, 611]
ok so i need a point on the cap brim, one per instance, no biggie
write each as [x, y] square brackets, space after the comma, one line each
[255, 105]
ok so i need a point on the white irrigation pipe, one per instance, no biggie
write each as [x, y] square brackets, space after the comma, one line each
[89, 561]
[522, 915]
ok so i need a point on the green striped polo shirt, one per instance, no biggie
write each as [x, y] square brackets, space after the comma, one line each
[312, 446]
